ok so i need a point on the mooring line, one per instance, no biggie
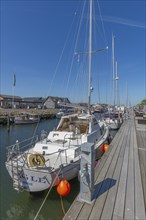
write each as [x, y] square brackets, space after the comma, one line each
[47, 195]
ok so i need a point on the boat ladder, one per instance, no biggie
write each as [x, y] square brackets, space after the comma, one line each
[16, 169]
[16, 172]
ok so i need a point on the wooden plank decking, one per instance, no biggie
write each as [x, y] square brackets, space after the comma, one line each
[141, 141]
[118, 186]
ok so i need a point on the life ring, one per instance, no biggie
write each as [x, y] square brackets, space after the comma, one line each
[36, 160]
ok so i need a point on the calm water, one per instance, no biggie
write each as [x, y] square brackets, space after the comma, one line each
[24, 206]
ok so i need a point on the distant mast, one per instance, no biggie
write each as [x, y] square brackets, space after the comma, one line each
[90, 58]
[127, 98]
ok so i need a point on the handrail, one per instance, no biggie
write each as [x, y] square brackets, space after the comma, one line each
[23, 142]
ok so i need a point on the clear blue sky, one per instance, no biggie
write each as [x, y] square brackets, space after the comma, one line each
[38, 40]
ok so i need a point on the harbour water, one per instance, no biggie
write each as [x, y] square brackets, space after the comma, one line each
[23, 205]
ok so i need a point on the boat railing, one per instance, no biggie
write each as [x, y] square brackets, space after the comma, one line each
[63, 155]
[20, 147]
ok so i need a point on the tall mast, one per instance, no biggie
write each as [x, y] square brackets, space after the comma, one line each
[90, 52]
[90, 57]
[116, 78]
[113, 61]
[127, 101]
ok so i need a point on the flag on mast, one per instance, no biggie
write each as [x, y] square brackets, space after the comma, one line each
[14, 80]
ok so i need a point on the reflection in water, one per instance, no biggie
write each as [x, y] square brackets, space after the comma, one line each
[16, 213]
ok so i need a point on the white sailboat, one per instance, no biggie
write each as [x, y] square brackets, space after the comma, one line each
[57, 154]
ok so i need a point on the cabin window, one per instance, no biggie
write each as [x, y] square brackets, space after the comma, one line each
[55, 134]
[44, 148]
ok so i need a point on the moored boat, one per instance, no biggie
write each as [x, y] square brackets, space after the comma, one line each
[55, 155]
[42, 163]
[64, 112]
[113, 120]
[27, 119]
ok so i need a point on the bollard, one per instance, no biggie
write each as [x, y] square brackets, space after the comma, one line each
[87, 173]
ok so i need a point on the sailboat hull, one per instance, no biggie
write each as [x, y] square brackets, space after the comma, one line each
[35, 180]
[41, 178]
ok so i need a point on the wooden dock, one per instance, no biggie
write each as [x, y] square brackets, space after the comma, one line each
[141, 141]
[119, 188]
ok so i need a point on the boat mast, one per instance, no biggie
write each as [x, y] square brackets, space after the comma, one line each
[90, 58]
[127, 101]
[113, 59]
[90, 52]
[116, 78]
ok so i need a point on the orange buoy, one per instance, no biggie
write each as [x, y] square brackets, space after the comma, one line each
[105, 147]
[63, 188]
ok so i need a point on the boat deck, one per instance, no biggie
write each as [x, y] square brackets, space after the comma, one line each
[119, 190]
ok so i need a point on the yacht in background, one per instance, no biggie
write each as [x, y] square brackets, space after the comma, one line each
[64, 112]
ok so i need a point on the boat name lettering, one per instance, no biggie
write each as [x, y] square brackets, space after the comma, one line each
[34, 179]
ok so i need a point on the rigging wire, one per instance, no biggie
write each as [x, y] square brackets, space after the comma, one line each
[34, 133]
[102, 23]
[61, 55]
[107, 81]
[81, 76]
[53, 78]
[103, 36]
[79, 28]
[96, 46]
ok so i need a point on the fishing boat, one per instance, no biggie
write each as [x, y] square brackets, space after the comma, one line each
[42, 163]
[26, 118]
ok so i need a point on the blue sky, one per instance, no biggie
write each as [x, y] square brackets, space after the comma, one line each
[39, 38]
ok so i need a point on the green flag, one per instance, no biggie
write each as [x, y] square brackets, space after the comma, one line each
[14, 80]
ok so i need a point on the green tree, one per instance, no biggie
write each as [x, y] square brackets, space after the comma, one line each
[143, 102]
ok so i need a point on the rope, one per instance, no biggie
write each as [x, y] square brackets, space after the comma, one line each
[102, 22]
[47, 195]
[76, 42]
[34, 133]
[62, 205]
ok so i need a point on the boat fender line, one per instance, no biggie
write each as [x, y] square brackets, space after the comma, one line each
[36, 160]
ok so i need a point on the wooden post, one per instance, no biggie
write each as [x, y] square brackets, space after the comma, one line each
[8, 122]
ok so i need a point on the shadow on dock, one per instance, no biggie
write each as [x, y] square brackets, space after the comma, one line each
[103, 186]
